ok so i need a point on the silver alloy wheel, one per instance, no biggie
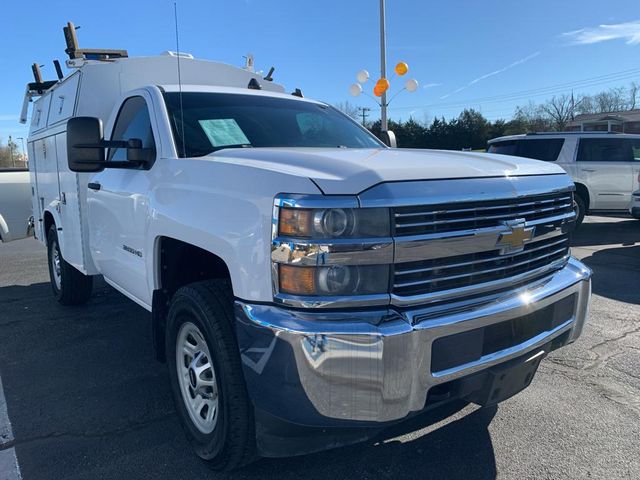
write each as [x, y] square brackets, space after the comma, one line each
[55, 265]
[197, 378]
[577, 209]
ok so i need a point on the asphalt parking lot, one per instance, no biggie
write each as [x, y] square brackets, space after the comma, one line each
[86, 399]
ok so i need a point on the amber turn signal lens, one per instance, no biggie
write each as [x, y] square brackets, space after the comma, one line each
[296, 222]
[297, 280]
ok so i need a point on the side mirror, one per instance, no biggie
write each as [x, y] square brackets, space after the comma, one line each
[85, 149]
[389, 139]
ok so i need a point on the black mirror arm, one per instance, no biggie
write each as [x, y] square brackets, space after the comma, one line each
[124, 164]
[104, 144]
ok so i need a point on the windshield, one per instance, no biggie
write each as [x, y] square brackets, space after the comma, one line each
[213, 121]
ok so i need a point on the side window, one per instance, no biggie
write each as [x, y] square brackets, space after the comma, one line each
[635, 148]
[604, 150]
[546, 149]
[133, 122]
[503, 148]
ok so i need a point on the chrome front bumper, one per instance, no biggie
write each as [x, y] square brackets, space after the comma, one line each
[366, 367]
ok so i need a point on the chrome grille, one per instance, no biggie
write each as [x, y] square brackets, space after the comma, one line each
[429, 276]
[429, 219]
[483, 265]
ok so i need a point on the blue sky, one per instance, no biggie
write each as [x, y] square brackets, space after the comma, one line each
[461, 51]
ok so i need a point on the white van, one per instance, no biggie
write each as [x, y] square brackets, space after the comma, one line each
[603, 165]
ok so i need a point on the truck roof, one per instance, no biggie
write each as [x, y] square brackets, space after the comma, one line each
[535, 135]
[233, 90]
[96, 85]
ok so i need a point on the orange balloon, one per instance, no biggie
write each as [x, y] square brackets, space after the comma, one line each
[377, 91]
[402, 68]
[383, 85]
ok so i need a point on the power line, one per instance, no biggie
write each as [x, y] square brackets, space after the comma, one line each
[557, 88]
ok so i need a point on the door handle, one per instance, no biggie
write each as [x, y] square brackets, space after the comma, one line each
[588, 170]
[94, 186]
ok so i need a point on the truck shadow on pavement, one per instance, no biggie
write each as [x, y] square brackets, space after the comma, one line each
[607, 233]
[616, 273]
[87, 399]
[461, 449]
[616, 269]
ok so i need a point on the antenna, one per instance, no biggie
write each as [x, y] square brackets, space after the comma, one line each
[184, 140]
[269, 77]
[56, 64]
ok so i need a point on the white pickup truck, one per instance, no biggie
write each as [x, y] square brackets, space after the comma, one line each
[307, 285]
[15, 204]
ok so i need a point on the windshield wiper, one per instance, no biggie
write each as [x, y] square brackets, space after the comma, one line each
[238, 145]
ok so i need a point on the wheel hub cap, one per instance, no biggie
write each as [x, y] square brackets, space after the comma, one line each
[192, 378]
[197, 378]
[55, 265]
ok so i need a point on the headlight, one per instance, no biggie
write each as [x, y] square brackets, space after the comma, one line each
[334, 280]
[334, 222]
[329, 252]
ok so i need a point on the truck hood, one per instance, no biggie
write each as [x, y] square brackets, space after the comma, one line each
[341, 171]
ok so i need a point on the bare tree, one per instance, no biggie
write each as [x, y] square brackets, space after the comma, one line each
[10, 155]
[532, 117]
[348, 109]
[612, 100]
[559, 110]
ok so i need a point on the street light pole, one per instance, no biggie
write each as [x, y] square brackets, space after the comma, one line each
[383, 68]
[24, 152]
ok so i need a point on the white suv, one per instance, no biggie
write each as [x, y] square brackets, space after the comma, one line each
[604, 166]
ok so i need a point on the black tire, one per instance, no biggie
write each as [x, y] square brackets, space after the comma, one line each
[580, 207]
[209, 306]
[72, 287]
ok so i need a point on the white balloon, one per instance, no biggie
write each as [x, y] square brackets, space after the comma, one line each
[411, 85]
[362, 76]
[355, 89]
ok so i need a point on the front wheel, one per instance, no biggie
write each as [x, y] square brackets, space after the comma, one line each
[70, 286]
[580, 208]
[206, 376]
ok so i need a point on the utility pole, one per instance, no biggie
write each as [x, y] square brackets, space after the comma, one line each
[384, 124]
[364, 111]
[24, 152]
[10, 145]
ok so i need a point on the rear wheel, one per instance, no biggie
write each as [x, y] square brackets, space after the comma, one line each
[206, 376]
[580, 208]
[70, 286]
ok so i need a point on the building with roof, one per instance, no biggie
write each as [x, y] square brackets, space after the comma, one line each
[625, 122]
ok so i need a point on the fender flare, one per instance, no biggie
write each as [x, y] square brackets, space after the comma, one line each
[53, 211]
[5, 235]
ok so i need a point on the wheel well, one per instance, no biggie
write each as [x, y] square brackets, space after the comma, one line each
[48, 221]
[179, 264]
[584, 194]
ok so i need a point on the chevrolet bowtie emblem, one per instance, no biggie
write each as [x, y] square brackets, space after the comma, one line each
[514, 238]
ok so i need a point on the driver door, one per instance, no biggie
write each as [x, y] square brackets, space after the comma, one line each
[118, 203]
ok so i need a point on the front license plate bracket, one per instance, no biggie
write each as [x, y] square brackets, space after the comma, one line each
[505, 380]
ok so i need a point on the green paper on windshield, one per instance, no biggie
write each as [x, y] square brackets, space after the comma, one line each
[224, 131]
